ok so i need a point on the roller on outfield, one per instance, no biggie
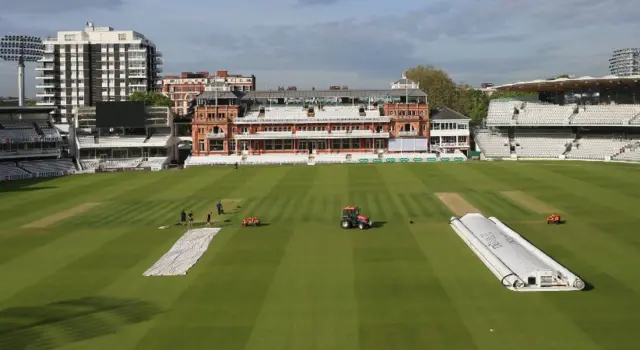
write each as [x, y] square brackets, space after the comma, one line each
[517, 263]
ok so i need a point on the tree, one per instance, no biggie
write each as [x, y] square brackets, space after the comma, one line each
[439, 85]
[471, 102]
[31, 103]
[151, 99]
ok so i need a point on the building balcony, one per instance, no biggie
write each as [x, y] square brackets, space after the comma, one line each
[45, 77]
[312, 135]
[45, 86]
[46, 103]
[46, 58]
[408, 133]
[44, 68]
[45, 94]
[315, 120]
[219, 135]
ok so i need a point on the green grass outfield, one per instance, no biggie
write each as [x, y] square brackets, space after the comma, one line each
[302, 283]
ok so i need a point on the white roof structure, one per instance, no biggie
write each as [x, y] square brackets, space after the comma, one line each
[584, 81]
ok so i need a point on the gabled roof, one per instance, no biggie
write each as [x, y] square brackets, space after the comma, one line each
[404, 81]
[211, 95]
[448, 114]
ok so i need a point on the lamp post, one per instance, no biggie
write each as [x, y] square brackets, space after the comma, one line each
[21, 49]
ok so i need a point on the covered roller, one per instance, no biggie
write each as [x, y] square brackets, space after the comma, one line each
[573, 280]
[513, 260]
[507, 277]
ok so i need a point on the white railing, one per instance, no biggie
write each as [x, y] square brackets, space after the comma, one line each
[311, 120]
[311, 135]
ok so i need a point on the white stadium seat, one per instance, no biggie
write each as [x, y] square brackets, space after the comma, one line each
[493, 144]
[541, 145]
[605, 114]
[54, 166]
[9, 171]
[501, 111]
[592, 147]
[544, 114]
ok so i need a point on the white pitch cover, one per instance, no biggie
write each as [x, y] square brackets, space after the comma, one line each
[184, 253]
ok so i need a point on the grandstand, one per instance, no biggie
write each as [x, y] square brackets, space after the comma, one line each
[581, 119]
[120, 138]
[30, 146]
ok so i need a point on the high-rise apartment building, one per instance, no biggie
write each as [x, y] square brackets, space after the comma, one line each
[625, 62]
[80, 68]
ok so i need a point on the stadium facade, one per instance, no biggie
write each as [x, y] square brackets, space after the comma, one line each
[582, 118]
[30, 145]
[80, 68]
[320, 122]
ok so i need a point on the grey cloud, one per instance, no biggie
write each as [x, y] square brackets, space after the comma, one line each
[346, 45]
[49, 7]
[317, 2]
[473, 19]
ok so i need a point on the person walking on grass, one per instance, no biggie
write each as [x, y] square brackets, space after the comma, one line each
[219, 207]
[190, 219]
[209, 219]
[183, 218]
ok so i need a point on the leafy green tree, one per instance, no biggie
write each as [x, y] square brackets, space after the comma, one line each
[151, 99]
[439, 85]
[444, 92]
[31, 103]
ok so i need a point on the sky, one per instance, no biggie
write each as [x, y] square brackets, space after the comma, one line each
[359, 43]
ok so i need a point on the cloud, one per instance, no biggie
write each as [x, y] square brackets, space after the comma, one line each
[49, 7]
[348, 45]
[317, 2]
[355, 42]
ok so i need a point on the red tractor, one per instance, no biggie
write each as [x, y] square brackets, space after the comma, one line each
[554, 219]
[250, 221]
[351, 217]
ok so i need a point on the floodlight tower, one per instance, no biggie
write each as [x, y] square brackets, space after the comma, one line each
[21, 49]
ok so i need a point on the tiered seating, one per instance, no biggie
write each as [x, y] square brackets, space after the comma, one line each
[629, 156]
[18, 131]
[155, 163]
[544, 114]
[89, 164]
[596, 147]
[122, 163]
[493, 145]
[605, 114]
[48, 131]
[121, 141]
[157, 141]
[88, 141]
[53, 167]
[501, 111]
[552, 145]
[9, 171]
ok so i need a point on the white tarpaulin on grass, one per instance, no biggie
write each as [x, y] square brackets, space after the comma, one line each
[184, 254]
